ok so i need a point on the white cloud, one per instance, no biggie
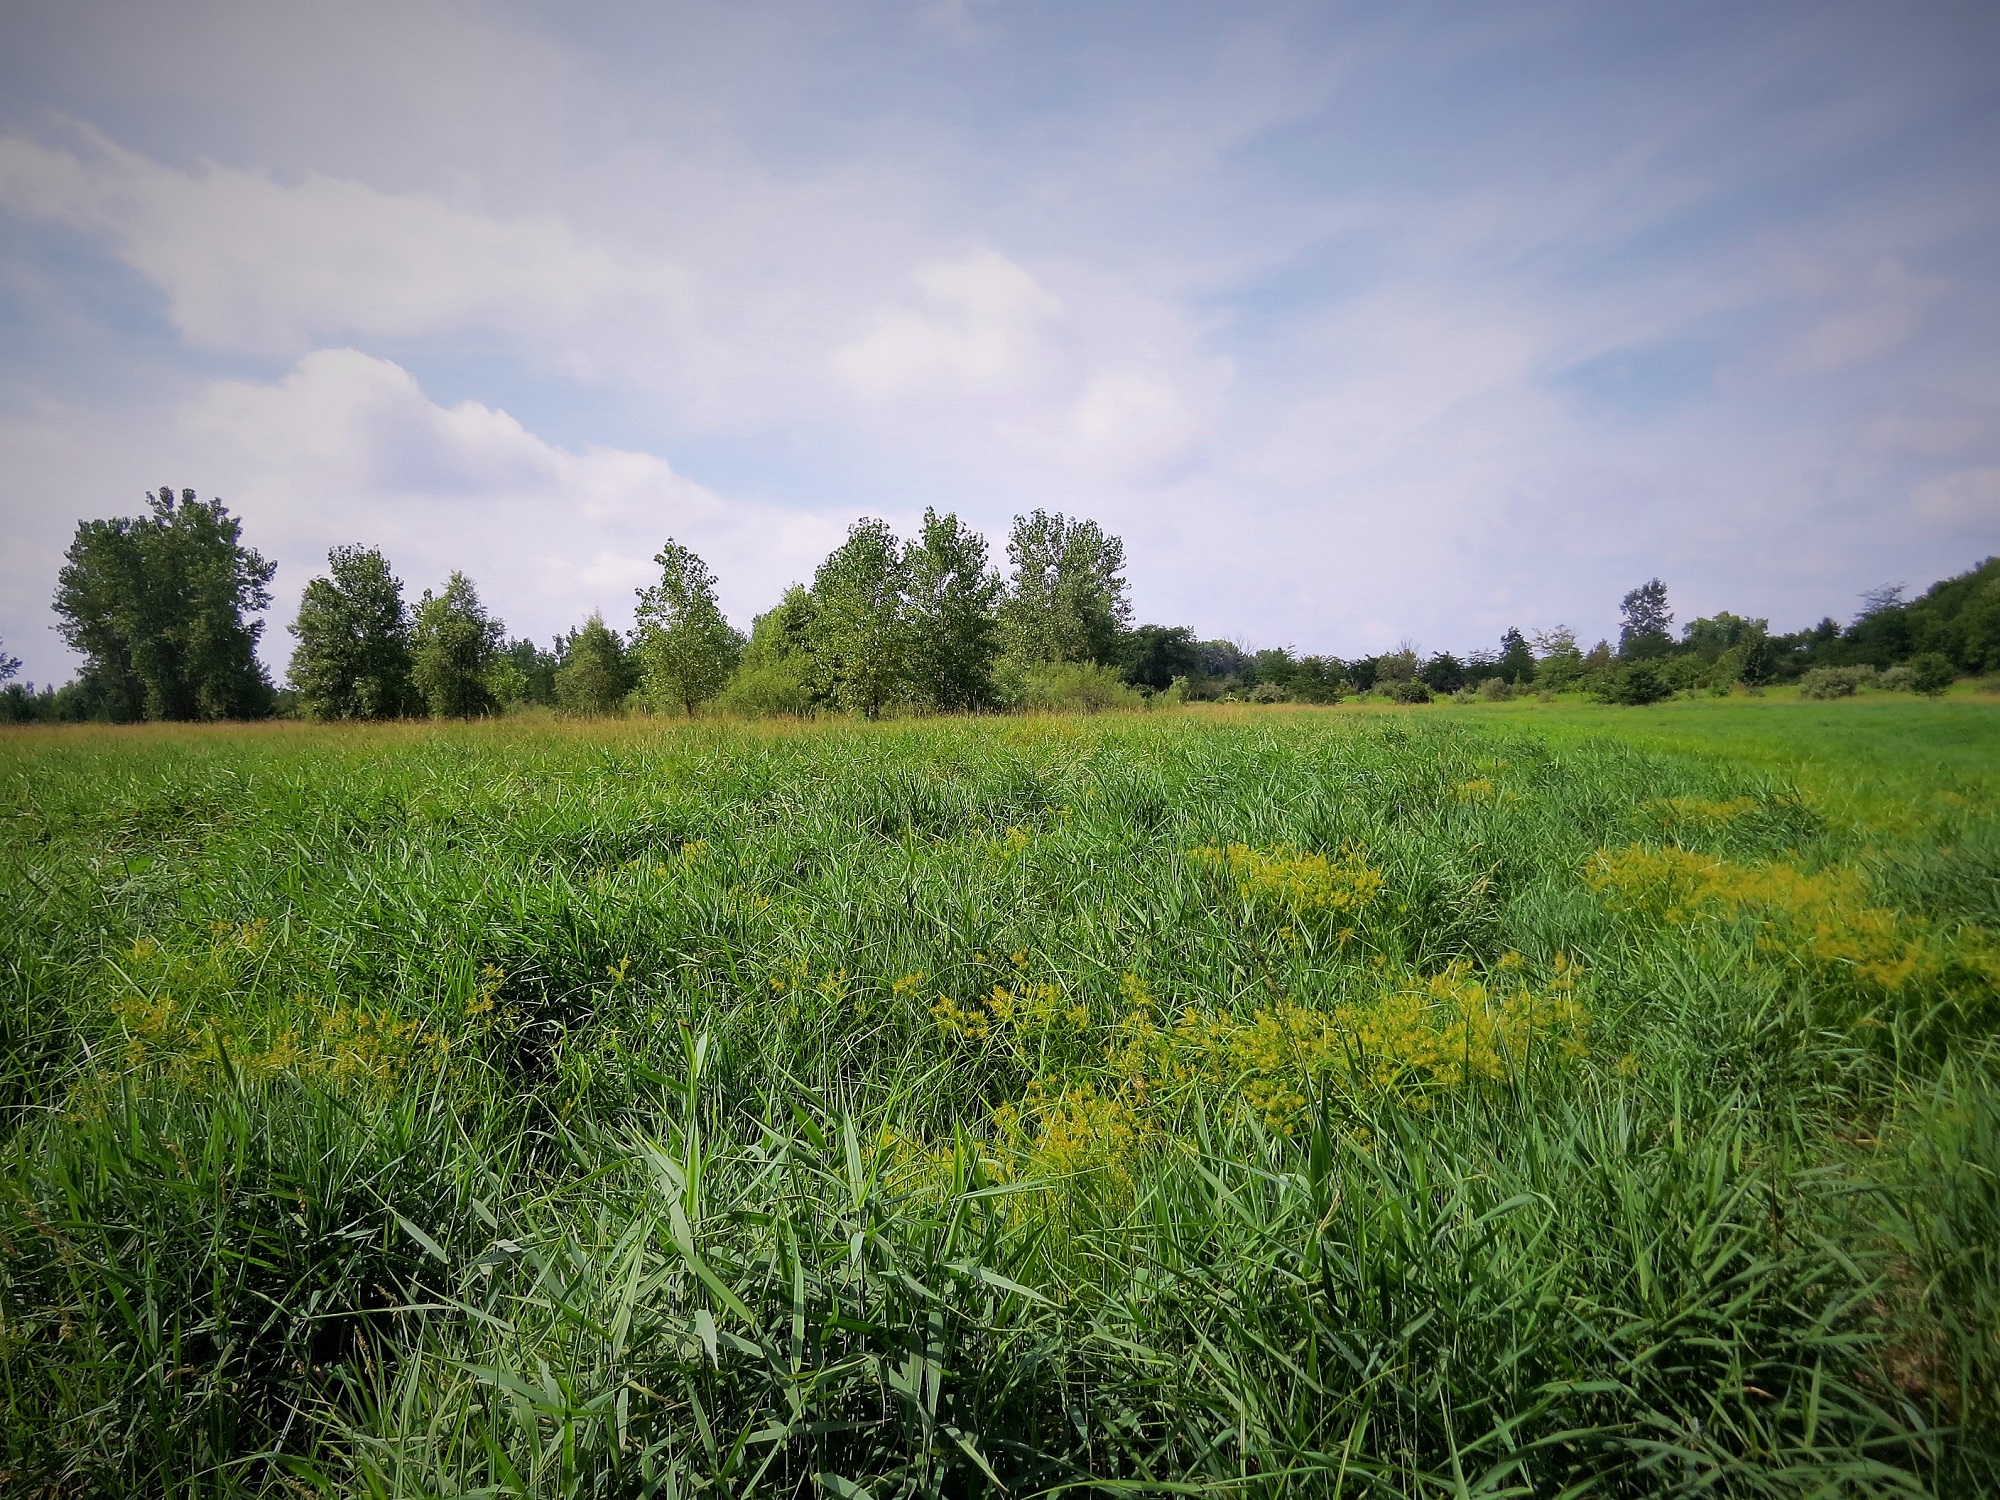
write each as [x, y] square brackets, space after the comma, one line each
[348, 447]
[982, 326]
[249, 264]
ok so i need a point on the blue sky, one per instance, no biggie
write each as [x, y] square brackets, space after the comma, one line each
[1359, 323]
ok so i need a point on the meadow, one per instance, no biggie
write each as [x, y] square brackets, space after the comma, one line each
[1505, 1099]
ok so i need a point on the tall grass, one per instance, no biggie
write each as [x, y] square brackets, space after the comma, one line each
[940, 1107]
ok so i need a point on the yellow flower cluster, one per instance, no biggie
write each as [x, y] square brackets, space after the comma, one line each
[1020, 1014]
[1289, 881]
[337, 1041]
[1441, 1031]
[1068, 1133]
[1055, 1135]
[1823, 919]
[1478, 790]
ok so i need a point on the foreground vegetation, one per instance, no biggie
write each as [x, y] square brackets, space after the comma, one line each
[1267, 1101]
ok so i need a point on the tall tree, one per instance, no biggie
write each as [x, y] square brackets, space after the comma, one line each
[596, 674]
[1517, 658]
[1645, 630]
[353, 630]
[455, 646]
[860, 631]
[686, 649]
[9, 665]
[954, 623]
[156, 605]
[1067, 598]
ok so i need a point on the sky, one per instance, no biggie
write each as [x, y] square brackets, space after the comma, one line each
[1361, 324]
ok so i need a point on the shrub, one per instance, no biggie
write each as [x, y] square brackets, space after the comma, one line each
[1077, 687]
[1496, 690]
[1897, 679]
[1835, 682]
[1269, 692]
[1931, 673]
[1635, 685]
[1412, 690]
[767, 690]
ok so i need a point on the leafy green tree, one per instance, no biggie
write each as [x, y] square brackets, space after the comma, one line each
[455, 648]
[524, 673]
[156, 606]
[1516, 662]
[1712, 635]
[1931, 672]
[860, 630]
[353, 655]
[953, 615]
[1559, 661]
[1645, 629]
[1318, 679]
[685, 648]
[1154, 655]
[1443, 673]
[1067, 598]
[596, 674]
[9, 665]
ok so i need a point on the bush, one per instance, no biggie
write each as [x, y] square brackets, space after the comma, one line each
[1496, 690]
[1269, 692]
[1412, 690]
[1931, 673]
[1076, 687]
[1897, 679]
[1835, 682]
[1635, 685]
[767, 690]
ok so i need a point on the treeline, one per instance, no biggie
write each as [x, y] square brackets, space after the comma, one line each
[159, 607]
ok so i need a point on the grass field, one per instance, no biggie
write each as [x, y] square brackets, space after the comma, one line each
[1447, 1100]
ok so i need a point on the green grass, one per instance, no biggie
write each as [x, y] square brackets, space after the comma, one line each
[919, 1108]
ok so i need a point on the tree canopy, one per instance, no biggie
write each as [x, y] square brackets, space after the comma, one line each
[156, 605]
[685, 648]
[352, 660]
[1067, 600]
[456, 645]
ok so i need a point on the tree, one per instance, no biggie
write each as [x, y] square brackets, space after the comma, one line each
[1644, 632]
[524, 673]
[1931, 673]
[156, 606]
[456, 646]
[1318, 679]
[860, 629]
[953, 620]
[1635, 684]
[1155, 655]
[1067, 597]
[1559, 660]
[1712, 635]
[9, 665]
[1443, 673]
[686, 650]
[1517, 659]
[353, 656]
[595, 674]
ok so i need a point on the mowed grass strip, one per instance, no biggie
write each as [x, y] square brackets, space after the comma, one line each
[1272, 1102]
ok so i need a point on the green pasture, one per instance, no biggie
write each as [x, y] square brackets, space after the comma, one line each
[1493, 1099]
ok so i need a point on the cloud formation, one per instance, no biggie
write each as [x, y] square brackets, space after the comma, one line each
[1357, 324]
